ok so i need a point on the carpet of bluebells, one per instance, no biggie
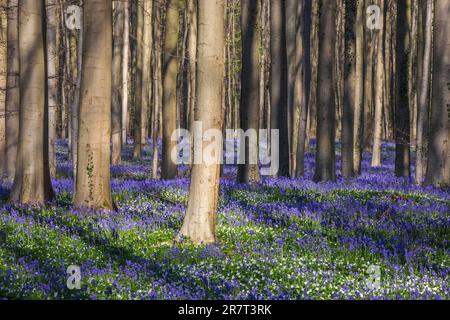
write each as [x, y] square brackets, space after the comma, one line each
[281, 239]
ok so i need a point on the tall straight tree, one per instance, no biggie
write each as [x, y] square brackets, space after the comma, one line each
[379, 94]
[32, 182]
[249, 108]
[201, 217]
[3, 72]
[424, 102]
[12, 91]
[125, 72]
[359, 88]
[303, 78]
[170, 71]
[146, 83]
[279, 82]
[325, 155]
[192, 54]
[402, 127]
[53, 79]
[93, 174]
[438, 172]
[117, 82]
[138, 85]
[351, 7]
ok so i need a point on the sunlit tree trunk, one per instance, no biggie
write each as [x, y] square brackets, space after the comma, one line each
[146, 84]
[12, 91]
[201, 217]
[249, 108]
[379, 98]
[279, 82]
[52, 75]
[169, 108]
[424, 100]
[32, 182]
[157, 75]
[438, 172]
[325, 155]
[116, 129]
[93, 172]
[359, 88]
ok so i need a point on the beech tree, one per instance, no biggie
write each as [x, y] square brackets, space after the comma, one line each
[201, 217]
[93, 173]
[32, 182]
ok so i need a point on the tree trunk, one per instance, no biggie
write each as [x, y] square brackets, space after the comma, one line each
[192, 60]
[402, 128]
[303, 80]
[201, 217]
[32, 182]
[379, 98]
[93, 172]
[12, 91]
[146, 84]
[169, 168]
[125, 71]
[424, 100]
[138, 83]
[3, 79]
[439, 154]
[249, 108]
[279, 82]
[116, 112]
[359, 88]
[351, 8]
[325, 155]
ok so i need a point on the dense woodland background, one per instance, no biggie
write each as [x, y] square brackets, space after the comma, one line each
[324, 71]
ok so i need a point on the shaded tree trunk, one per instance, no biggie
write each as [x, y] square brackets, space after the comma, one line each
[93, 173]
[32, 182]
[201, 217]
[438, 172]
[125, 72]
[138, 81]
[3, 79]
[249, 108]
[169, 108]
[325, 155]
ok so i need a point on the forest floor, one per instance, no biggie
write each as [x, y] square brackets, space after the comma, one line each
[284, 239]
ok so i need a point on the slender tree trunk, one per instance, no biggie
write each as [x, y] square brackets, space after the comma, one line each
[32, 182]
[438, 172]
[279, 82]
[325, 155]
[192, 61]
[157, 74]
[402, 128]
[116, 112]
[3, 79]
[93, 172]
[201, 217]
[52, 75]
[424, 100]
[303, 80]
[169, 168]
[351, 8]
[146, 84]
[125, 71]
[12, 91]
[249, 108]
[359, 88]
[379, 98]
[138, 83]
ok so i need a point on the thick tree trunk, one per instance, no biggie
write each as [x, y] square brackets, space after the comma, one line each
[249, 108]
[169, 109]
[349, 87]
[402, 128]
[32, 182]
[279, 82]
[303, 80]
[379, 97]
[116, 125]
[93, 172]
[325, 155]
[201, 217]
[424, 100]
[12, 91]
[439, 152]
[3, 79]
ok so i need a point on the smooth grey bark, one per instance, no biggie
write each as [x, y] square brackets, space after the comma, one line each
[32, 183]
